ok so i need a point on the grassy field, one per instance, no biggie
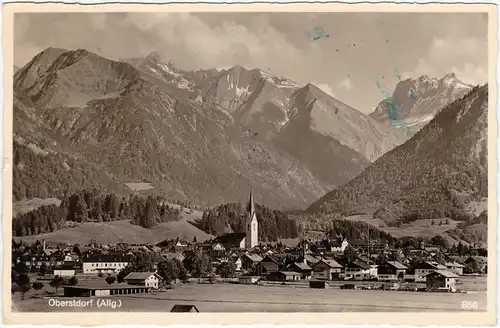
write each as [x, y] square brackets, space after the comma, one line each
[124, 231]
[249, 298]
[420, 228]
[139, 186]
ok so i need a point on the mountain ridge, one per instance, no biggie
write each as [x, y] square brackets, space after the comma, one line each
[415, 102]
[434, 174]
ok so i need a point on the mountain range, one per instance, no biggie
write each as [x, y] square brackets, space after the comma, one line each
[441, 172]
[83, 121]
[200, 135]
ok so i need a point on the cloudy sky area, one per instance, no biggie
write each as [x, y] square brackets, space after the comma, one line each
[361, 48]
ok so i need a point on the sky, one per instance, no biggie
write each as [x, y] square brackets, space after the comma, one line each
[361, 47]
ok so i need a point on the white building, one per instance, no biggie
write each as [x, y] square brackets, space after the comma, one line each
[64, 272]
[104, 263]
[360, 271]
[146, 279]
[423, 269]
[455, 267]
[340, 248]
[252, 226]
[238, 263]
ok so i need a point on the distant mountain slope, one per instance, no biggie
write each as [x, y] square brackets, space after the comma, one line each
[434, 174]
[138, 127]
[268, 106]
[418, 101]
[335, 140]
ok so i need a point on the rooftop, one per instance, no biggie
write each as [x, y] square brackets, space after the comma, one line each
[100, 286]
[139, 275]
[443, 273]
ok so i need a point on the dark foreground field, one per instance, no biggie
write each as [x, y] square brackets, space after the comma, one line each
[249, 298]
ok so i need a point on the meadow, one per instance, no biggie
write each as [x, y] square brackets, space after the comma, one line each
[267, 298]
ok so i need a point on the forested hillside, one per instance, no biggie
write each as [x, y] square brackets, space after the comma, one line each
[231, 217]
[92, 206]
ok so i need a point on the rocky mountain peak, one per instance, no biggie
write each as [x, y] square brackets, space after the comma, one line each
[154, 57]
[415, 102]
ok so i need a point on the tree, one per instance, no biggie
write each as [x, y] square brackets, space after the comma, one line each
[123, 273]
[57, 282]
[200, 264]
[440, 241]
[172, 269]
[73, 281]
[23, 281]
[194, 240]
[37, 285]
[350, 254]
[21, 268]
[432, 222]
[43, 269]
[110, 279]
[100, 275]
[226, 270]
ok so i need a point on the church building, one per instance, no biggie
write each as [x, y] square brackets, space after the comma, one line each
[247, 239]
[252, 226]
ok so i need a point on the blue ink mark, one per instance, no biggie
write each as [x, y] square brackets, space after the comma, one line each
[412, 95]
[392, 112]
[320, 33]
[249, 156]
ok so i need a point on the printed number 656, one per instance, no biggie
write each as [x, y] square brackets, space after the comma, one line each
[469, 304]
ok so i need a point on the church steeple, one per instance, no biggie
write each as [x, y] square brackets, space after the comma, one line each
[251, 205]
[252, 232]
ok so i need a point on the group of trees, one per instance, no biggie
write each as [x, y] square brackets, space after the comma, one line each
[358, 231]
[232, 217]
[21, 282]
[90, 205]
[168, 269]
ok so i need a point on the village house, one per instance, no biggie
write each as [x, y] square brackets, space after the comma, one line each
[249, 261]
[359, 270]
[268, 265]
[146, 279]
[391, 271]
[476, 264]
[335, 243]
[440, 279]
[98, 263]
[218, 247]
[283, 276]
[64, 271]
[184, 308]
[237, 263]
[302, 268]
[231, 240]
[309, 260]
[424, 268]
[34, 261]
[181, 243]
[326, 270]
[171, 256]
[455, 267]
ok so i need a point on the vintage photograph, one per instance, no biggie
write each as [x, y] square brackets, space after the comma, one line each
[251, 161]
